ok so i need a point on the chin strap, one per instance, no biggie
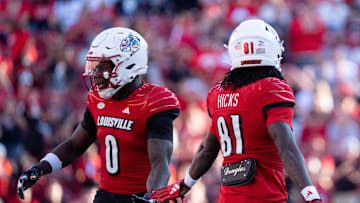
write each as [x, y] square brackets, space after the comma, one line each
[109, 92]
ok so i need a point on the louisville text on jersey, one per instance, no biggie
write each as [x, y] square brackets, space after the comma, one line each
[227, 100]
[113, 122]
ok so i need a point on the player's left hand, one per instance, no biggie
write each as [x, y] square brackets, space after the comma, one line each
[171, 192]
[315, 201]
[27, 179]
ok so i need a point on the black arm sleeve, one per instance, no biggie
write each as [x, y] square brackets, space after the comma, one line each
[88, 123]
[160, 124]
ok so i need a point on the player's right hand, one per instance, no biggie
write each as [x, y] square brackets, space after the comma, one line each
[27, 179]
[171, 192]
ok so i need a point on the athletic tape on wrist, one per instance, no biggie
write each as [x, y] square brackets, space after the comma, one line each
[310, 193]
[188, 180]
[54, 161]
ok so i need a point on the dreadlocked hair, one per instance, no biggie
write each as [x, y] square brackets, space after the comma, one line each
[243, 76]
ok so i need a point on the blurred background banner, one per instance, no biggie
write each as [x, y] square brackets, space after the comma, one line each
[43, 44]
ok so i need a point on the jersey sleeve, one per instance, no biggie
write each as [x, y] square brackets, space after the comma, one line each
[277, 102]
[284, 114]
[161, 99]
[210, 110]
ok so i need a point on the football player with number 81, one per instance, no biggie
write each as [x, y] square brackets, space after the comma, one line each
[252, 113]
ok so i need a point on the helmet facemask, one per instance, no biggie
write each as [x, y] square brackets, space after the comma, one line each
[98, 74]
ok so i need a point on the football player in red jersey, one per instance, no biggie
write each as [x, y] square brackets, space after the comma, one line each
[252, 113]
[132, 120]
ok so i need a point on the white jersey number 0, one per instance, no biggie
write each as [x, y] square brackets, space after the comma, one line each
[112, 155]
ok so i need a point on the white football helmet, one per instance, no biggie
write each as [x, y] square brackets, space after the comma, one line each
[116, 56]
[255, 43]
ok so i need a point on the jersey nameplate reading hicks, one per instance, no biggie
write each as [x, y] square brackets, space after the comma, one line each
[227, 100]
[113, 122]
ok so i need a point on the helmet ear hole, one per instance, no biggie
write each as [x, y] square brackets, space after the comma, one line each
[129, 67]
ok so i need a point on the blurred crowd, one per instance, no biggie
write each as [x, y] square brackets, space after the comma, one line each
[43, 44]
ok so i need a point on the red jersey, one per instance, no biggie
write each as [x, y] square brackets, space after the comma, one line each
[121, 130]
[239, 120]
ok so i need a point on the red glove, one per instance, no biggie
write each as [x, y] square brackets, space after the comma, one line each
[315, 201]
[173, 191]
